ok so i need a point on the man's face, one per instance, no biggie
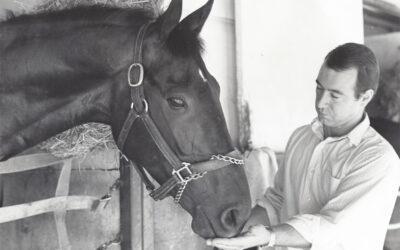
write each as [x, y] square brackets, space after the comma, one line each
[335, 102]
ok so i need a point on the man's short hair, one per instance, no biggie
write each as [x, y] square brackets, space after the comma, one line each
[360, 57]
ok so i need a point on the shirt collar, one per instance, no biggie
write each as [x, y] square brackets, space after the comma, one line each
[354, 135]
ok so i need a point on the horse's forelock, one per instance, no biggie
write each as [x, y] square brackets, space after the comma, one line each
[184, 43]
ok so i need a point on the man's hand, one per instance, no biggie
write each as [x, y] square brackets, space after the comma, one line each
[256, 236]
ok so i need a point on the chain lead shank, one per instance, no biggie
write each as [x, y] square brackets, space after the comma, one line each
[227, 159]
[185, 167]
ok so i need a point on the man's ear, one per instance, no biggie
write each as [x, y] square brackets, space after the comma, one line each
[195, 21]
[169, 19]
[367, 96]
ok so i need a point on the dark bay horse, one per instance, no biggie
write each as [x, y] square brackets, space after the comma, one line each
[61, 69]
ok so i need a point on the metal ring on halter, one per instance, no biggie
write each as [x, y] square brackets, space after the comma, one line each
[145, 109]
[177, 173]
[141, 74]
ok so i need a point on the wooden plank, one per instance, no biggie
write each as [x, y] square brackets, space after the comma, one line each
[28, 162]
[21, 211]
[59, 216]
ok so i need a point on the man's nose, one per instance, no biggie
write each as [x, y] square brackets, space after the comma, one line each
[322, 100]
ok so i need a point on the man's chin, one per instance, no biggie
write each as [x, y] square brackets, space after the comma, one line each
[324, 120]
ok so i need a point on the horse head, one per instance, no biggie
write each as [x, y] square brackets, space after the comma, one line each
[182, 98]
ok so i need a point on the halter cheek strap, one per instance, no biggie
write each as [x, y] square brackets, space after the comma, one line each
[137, 92]
[182, 172]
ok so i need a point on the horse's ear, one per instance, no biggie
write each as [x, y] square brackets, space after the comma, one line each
[196, 20]
[170, 18]
[9, 14]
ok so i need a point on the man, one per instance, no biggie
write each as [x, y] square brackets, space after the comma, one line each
[339, 180]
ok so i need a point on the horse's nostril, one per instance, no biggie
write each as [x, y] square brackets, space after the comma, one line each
[229, 219]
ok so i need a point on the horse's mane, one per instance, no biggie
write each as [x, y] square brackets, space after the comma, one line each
[84, 13]
[181, 42]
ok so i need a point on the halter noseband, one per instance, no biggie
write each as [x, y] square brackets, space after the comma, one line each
[182, 172]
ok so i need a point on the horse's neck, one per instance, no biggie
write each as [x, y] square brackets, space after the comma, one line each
[52, 79]
[44, 92]
[27, 119]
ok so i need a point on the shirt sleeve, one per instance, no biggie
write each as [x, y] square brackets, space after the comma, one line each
[273, 198]
[272, 201]
[359, 210]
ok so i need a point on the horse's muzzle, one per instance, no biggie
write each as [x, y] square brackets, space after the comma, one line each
[229, 223]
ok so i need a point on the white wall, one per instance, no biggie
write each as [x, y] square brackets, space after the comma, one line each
[281, 44]
[219, 36]
[4, 4]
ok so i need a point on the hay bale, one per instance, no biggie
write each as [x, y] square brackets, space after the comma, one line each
[80, 140]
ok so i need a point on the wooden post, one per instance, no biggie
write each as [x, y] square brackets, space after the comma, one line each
[136, 211]
[131, 208]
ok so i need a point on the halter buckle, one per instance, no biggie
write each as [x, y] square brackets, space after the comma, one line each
[141, 74]
[145, 107]
[185, 166]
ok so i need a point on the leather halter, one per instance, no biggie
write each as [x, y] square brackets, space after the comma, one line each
[182, 172]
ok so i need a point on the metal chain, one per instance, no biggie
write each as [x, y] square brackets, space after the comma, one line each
[227, 159]
[199, 175]
[185, 182]
[107, 197]
[106, 245]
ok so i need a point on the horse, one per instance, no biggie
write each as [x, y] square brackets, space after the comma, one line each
[145, 77]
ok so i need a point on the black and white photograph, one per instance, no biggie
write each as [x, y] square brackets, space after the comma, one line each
[199, 125]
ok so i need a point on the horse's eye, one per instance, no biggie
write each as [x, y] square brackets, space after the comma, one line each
[176, 102]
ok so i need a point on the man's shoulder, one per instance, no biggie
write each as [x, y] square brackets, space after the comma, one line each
[374, 143]
[373, 138]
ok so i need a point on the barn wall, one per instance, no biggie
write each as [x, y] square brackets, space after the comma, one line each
[4, 4]
[281, 45]
[386, 48]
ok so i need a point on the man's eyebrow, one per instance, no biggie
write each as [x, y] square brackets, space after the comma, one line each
[331, 90]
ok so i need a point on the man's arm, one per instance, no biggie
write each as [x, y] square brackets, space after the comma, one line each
[286, 235]
[258, 235]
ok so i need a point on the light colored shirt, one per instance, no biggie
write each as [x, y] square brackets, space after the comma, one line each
[338, 193]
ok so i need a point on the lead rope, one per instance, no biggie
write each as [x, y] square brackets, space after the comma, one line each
[186, 180]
